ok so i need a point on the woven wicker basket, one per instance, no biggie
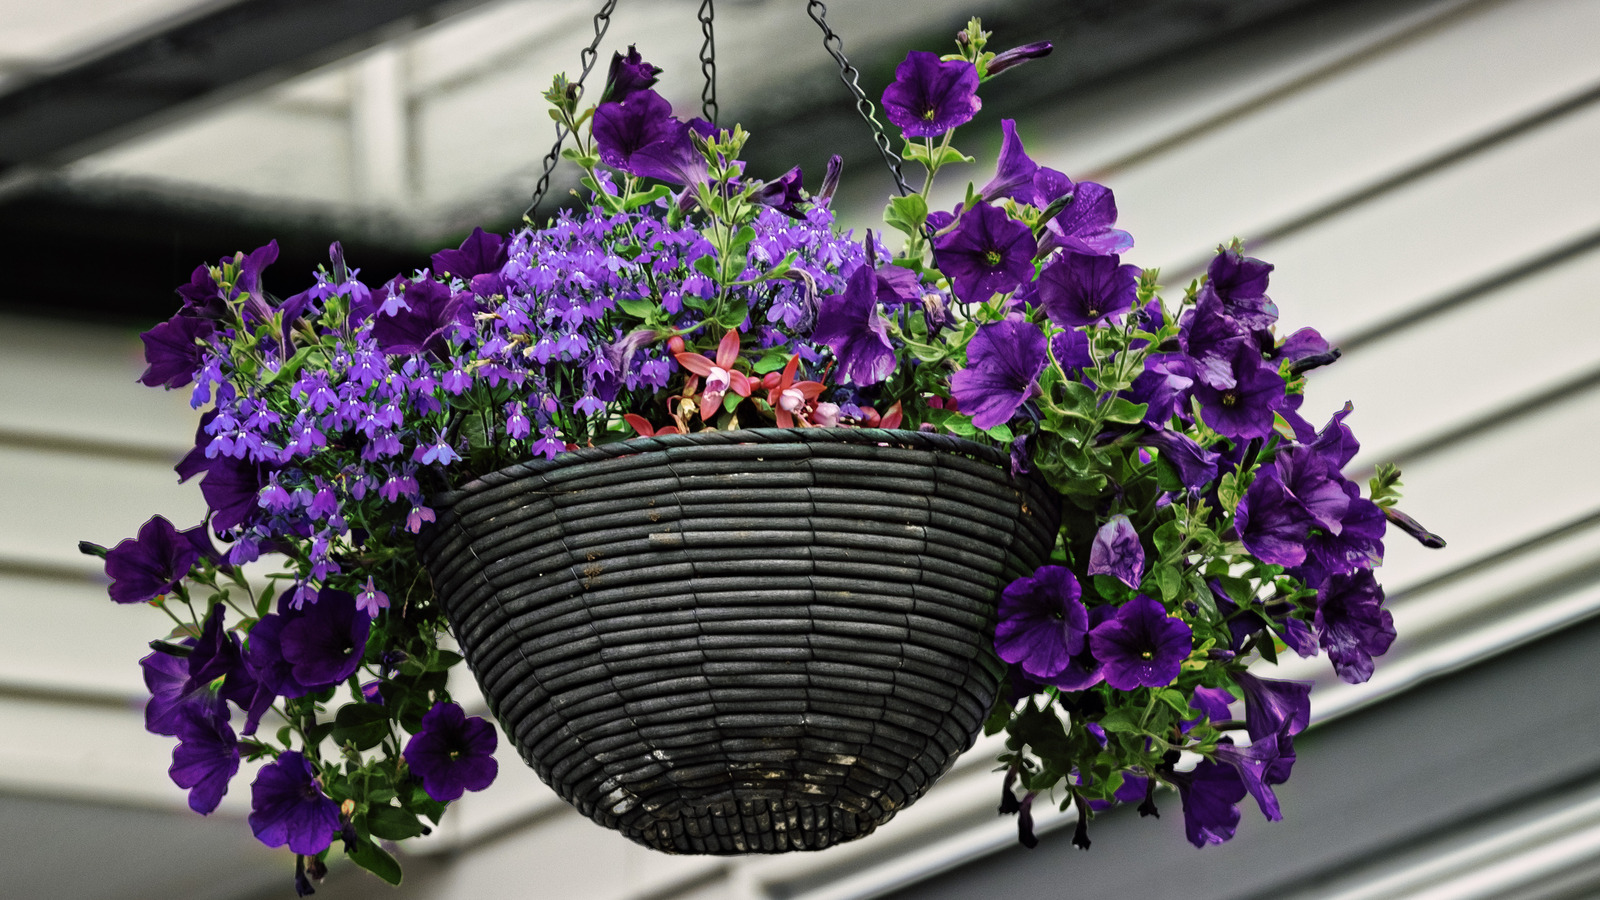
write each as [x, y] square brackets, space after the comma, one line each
[734, 642]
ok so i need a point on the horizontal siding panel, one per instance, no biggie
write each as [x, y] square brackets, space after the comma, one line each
[107, 639]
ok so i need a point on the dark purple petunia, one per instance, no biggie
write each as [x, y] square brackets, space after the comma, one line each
[1213, 339]
[425, 320]
[783, 194]
[216, 655]
[1042, 623]
[1240, 282]
[1352, 624]
[167, 678]
[1004, 360]
[1079, 290]
[641, 137]
[1016, 56]
[1273, 706]
[452, 753]
[1084, 225]
[289, 806]
[152, 564]
[1013, 176]
[230, 487]
[324, 644]
[1271, 522]
[1209, 794]
[1070, 347]
[849, 323]
[1264, 763]
[1163, 387]
[1212, 703]
[987, 253]
[1141, 646]
[206, 758]
[628, 75]
[1244, 410]
[480, 254]
[1116, 551]
[1358, 545]
[930, 96]
[1196, 465]
[172, 351]
[195, 461]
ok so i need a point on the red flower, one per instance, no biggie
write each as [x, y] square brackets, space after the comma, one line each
[793, 401]
[719, 374]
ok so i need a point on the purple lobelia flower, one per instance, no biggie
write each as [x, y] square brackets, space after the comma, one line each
[1141, 646]
[1013, 176]
[1209, 794]
[987, 253]
[172, 351]
[324, 644]
[153, 563]
[930, 96]
[1042, 623]
[452, 753]
[1078, 290]
[628, 75]
[1273, 706]
[1084, 225]
[480, 254]
[1004, 360]
[289, 806]
[1245, 409]
[1352, 624]
[206, 758]
[849, 323]
[1116, 551]
[425, 320]
[1016, 56]
[1266, 762]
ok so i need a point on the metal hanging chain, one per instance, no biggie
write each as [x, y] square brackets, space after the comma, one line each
[602, 21]
[834, 44]
[708, 64]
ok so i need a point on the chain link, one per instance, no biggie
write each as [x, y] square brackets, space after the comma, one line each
[708, 64]
[602, 21]
[834, 44]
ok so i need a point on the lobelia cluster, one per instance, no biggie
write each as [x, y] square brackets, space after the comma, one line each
[1207, 522]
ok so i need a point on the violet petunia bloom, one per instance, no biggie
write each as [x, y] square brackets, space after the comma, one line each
[1273, 706]
[641, 137]
[849, 323]
[1004, 360]
[1240, 282]
[289, 806]
[1042, 624]
[1077, 290]
[1209, 794]
[205, 759]
[1163, 388]
[230, 487]
[987, 253]
[1245, 409]
[628, 75]
[167, 678]
[1266, 762]
[1070, 347]
[1084, 225]
[324, 644]
[1196, 465]
[1014, 171]
[172, 351]
[930, 96]
[1116, 551]
[1271, 523]
[426, 319]
[1141, 646]
[1212, 703]
[1016, 56]
[782, 194]
[1352, 624]
[452, 753]
[151, 564]
[480, 254]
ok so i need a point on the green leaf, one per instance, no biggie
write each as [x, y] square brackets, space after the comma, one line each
[443, 660]
[1123, 411]
[1169, 581]
[374, 859]
[1001, 433]
[290, 368]
[363, 724]
[1176, 700]
[650, 196]
[1044, 732]
[391, 823]
[1168, 538]
[907, 214]
[1204, 597]
[639, 307]
[771, 361]
[1123, 720]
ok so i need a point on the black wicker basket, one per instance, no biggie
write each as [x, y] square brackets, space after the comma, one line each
[734, 642]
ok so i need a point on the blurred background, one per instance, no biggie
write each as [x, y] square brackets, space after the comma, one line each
[1424, 173]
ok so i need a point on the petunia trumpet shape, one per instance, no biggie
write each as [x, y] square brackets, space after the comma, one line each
[289, 806]
[1042, 622]
[930, 96]
[1116, 551]
[452, 753]
[1141, 646]
[1004, 360]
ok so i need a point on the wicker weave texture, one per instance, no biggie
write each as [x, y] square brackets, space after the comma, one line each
[736, 642]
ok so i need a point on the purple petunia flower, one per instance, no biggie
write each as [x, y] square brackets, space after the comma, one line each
[849, 323]
[1196, 465]
[153, 563]
[1141, 646]
[1240, 282]
[930, 96]
[1084, 225]
[987, 253]
[1274, 706]
[289, 806]
[230, 487]
[452, 753]
[782, 194]
[1079, 290]
[1042, 624]
[324, 644]
[206, 757]
[1352, 624]
[480, 254]
[172, 350]
[1004, 360]
[1264, 763]
[628, 75]
[641, 137]
[1209, 794]
[1116, 551]
[1014, 171]
[424, 321]
[1243, 410]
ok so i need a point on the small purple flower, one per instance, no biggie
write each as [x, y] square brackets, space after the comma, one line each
[1004, 360]
[1116, 551]
[370, 600]
[1141, 646]
[153, 563]
[1352, 624]
[1042, 624]
[628, 75]
[289, 806]
[987, 253]
[452, 753]
[206, 757]
[930, 96]
[849, 323]
[1078, 290]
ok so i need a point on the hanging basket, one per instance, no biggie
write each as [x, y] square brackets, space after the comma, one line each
[733, 642]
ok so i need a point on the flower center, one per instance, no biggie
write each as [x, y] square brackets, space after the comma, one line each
[717, 381]
[992, 257]
[1230, 398]
[791, 400]
[1146, 655]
